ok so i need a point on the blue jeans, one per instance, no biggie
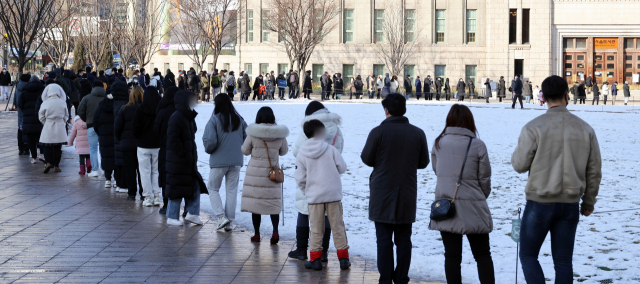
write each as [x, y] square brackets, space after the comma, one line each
[281, 93]
[191, 205]
[561, 219]
[371, 94]
[293, 90]
[93, 149]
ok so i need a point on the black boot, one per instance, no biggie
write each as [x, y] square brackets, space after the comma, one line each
[325, 244]
[345, 263]
[302, 239]
[315, 265]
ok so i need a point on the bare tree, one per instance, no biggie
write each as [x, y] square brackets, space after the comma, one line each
[96, 31]
[59, 36]
[191, 32]
[25, 23]
[302, 25]
[399, 44]
[147, 30]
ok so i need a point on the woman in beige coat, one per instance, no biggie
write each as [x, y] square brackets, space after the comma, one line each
[472, 216]
[260, 195]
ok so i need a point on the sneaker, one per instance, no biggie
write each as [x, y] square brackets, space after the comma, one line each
[132, 198]
[107, 184]
[195, 219]
[163, 210]
[157, 201]
[228, 227]
[148, 202]
[93, 174]
[222, 222]
[174, 222]
[47, 168]
[57, 170]
[33, 161]
[122, 190]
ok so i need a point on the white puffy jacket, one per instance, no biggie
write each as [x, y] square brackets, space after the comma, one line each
[331, 123]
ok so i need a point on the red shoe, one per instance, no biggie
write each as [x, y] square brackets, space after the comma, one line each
[255, 239]
[88, 162]
[275, 238]
[81, 172]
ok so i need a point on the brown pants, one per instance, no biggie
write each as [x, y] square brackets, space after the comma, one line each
[316, 223]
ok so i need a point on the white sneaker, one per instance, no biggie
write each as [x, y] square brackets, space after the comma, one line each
[33, 161]
[228, 227]
[195, 219]
[222, 222]
[157, 201]
[107, 184]
[174, 222]
[122, 190]
[148, 202]
[94, 174]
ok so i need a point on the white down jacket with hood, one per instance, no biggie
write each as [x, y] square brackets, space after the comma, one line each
[331, 123]
[318, 169]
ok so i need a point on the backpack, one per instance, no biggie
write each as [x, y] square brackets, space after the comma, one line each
[215, 81]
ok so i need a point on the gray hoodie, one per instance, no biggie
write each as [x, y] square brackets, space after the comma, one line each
[224, 147]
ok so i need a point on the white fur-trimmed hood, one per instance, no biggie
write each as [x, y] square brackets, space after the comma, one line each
[325, 116]
[268, 131]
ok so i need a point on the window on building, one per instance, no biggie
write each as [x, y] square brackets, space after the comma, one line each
[283, 68]
[568, 65]
[379, 25]
[513, 21]
[581, 43]
[180, 66]
[638, 44]
[227, 66]
[470, 74]
[347, 73]
[567, 42]
[264, 67]
[440, 26]
[580, 65]
[248, 69]
[471, 25]
[166, 66]
[249, 25]
[410, 25]
[628, 65]
[611, 58]
[628, 57]
[598, 66]
[347, 32]
[628, 43]
[266, 34]
[316, 71]
[525, 25]
[611, 66]
[441, 72]
[580, 57]
[378, 70]
[568, 57]
[410, 70]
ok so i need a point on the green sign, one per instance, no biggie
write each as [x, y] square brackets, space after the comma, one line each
[515, 230]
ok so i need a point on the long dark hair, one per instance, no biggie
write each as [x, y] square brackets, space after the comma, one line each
[224, 106]
[459, 116]
[265, 115]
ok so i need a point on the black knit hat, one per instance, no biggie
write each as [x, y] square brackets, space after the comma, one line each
[313, 107]
[97, 83]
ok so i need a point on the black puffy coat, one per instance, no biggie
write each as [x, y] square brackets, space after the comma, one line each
[165, 109]
[169, 80]
[395, 150]
[103, 121]
[123, 127]
[307, 83]
[85, 89]
[120, 92]
[193, 81]
[144, 118]
[27, 102]
[5, 78]
[182, 153]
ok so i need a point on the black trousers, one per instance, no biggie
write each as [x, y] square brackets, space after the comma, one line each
[32, 141]
[453, 257]
[131, 171]
[53, 155]
[582, 101]
[517, 97]
[22, 146]
[230, 91]
[500, 98]
[257, 219]
[108, 174]
[118, 175]
[386, 236]
[605, 100]
[595, 101]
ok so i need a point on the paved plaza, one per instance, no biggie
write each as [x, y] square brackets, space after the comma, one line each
[67, 228]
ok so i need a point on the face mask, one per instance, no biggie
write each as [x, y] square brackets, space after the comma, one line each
[4, 71]
[135, 81]
[516, 78]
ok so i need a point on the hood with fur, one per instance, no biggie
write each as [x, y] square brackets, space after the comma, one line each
[325, 116]
[313, 148]
[268, 131]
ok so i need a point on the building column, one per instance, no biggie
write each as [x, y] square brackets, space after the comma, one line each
[519, 22]
[619, 76]
[589, 60]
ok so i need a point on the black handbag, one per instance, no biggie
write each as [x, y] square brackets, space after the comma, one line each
[444, 208]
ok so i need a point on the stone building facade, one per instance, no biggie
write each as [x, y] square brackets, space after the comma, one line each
[472, 39]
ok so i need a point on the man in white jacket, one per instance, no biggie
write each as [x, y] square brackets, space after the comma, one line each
[318, 169]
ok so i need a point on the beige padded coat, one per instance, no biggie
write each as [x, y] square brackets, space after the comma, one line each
[260, 195]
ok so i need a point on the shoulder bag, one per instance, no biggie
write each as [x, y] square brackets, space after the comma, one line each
[275, 174]
[444, 208]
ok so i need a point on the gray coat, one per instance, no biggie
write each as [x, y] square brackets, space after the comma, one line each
[224, 147]
[472, 212]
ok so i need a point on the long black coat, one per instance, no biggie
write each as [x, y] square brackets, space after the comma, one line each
[581, 91]
[123, 127]
[103, 121]
[502, 88]
[5, 78]
[395, 150]
[27, 102]
[165, 109]
[182, 153]
[120, 92]
[447, 88]
[307, 83]
[460, 87]
[169, 80]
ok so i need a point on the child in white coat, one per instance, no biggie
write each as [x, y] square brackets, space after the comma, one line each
[318, 169]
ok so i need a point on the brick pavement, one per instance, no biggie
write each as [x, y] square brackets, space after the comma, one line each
[67, 228]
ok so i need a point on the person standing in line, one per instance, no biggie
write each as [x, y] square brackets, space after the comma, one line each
[573, 91]
[447, 89]
[323, 84]
[589, 83]
[516, 88]
[605, 91]
[230, 85]
[103, 122]
[256, 88]
[329, 86]
[472, 216]
[394, 85]
[596, 93]
[123, 130]
[502, 89]
[582, 95]
[148, 146]
[428, 87]
[408, 89]
[386, 89]
[460, 88]
[169, 80]
[223, 137]
[166, 108]
[120, 98]
[265, 141]
[371, 85]
[205, 90]
[472, 90]
[437, 86]
[294, 84]
[31, 126]
[535, 93]
[23, 149]
[527, 92]
[53, 114]
[358, 86]
[307, 87]
[559, 176]
[246, 87]
[5, 82]
[339, 86]
[216, 82]
[418, 88]
[86, 111]
[315, 110]
[626, 93]
[614, 92]
[184, 182]
[78, 133]
[318, 169]
[395, 150]
[487, 85]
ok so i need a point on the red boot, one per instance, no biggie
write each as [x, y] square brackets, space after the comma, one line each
[255, 239]
[81, 172]
[275, 238]
[88, 162]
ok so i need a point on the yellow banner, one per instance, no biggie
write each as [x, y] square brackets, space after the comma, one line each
[605, 43]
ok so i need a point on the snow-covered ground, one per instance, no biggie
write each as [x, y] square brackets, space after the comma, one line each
[607, 245]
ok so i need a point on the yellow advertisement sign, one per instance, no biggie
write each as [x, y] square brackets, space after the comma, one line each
[605, 43]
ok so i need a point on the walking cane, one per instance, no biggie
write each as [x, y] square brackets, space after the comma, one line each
[515, 236]
[10, 95]
[282, 188]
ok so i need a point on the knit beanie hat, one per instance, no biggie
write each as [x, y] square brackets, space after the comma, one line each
[97, 83]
